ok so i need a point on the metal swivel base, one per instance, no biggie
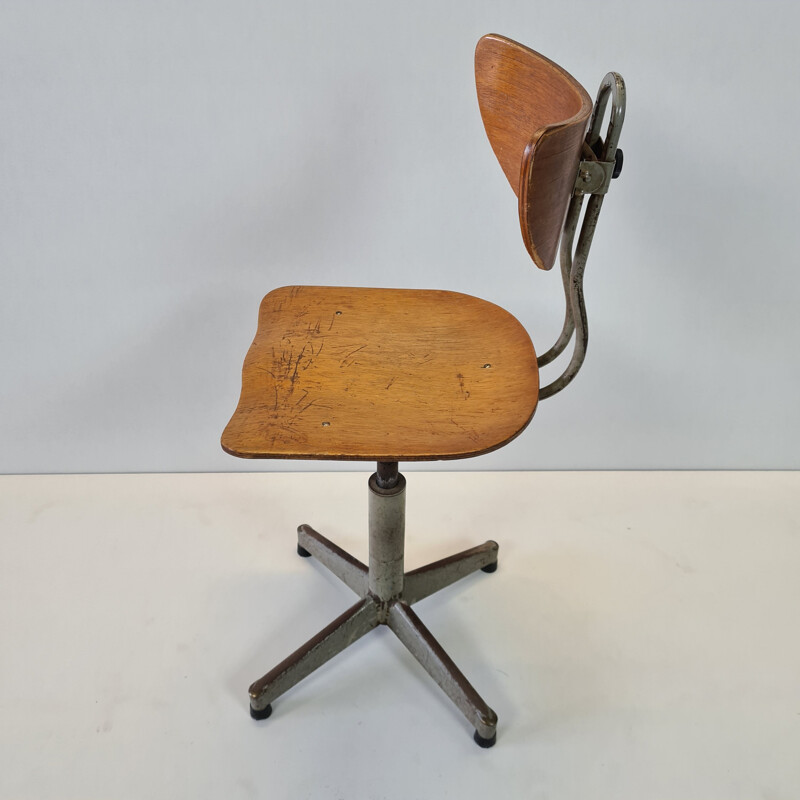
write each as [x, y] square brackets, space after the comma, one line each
[386, 595]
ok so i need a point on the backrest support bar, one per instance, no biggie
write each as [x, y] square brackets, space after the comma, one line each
[574, 265]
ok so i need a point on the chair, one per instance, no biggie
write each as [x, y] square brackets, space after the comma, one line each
[390, 375]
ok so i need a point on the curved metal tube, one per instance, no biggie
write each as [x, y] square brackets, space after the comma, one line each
[573, 266]
[614, 87]
[565, 255]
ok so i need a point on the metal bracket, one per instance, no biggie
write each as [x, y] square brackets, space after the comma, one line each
[595, 173]
[594, 177]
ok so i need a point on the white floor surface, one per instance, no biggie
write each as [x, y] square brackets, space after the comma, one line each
[641, 638]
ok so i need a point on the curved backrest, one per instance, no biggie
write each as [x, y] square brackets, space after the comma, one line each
[536, 116]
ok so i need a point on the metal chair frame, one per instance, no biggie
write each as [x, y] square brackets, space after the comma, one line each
[386, 592]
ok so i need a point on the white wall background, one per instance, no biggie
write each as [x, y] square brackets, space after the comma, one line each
[165, 164]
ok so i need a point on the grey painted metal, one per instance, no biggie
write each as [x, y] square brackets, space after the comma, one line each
[423, 646]
[594, 177]
[387, 528]
[567, 238]
[386, 596]
[573, 266]
[340, 634]
[347, 569]
[423, 582]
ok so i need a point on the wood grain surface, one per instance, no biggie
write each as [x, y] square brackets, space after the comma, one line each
[536, 116]
[382, 375]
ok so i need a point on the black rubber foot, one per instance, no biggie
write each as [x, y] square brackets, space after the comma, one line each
[485, 742]
[301, 551]
[265, 712]
[489, 568]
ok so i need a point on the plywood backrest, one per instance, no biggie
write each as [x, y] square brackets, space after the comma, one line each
[536, 115]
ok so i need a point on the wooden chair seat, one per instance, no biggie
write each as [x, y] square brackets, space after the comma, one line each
[382, 375]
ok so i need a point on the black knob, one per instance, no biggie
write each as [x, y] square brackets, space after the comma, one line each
[617, 164]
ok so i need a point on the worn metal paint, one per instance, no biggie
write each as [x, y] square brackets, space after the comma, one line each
[573, 267]
[386, 594]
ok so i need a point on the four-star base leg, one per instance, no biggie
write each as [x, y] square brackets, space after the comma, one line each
[386, 594]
